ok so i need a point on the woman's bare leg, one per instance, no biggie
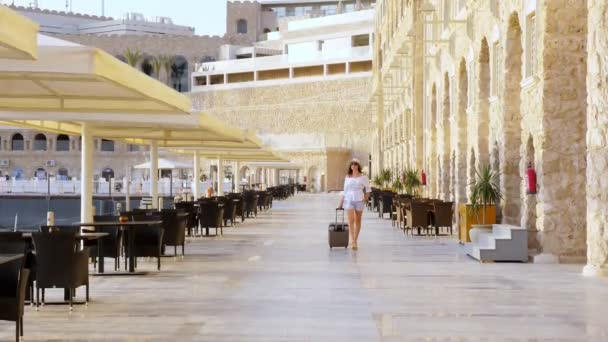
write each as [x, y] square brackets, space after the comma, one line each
[351, 223]
[358, 215]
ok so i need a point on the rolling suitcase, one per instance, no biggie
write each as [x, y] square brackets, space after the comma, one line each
[338, 232]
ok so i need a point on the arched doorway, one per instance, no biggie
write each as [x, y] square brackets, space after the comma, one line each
[314, 179]
[40, 173]
[62, 174]
[147, 67]
[244, 173]
[107, 174]
[511, 180]
[179, 74]
[18, 174]
[483, 104]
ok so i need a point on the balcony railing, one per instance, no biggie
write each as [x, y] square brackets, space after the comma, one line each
[117, 188]
[283, 61]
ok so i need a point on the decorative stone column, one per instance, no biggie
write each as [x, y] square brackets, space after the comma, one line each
[237, 177]
[154, 173]
[220, 177]
[86, 175]
[196, 176]
[561, 201]
[597, 145]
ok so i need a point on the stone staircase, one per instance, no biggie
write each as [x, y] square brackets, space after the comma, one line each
[504, 243]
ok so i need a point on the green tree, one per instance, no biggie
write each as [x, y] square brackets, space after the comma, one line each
[167, 66]
[133, 57]
[157, 65]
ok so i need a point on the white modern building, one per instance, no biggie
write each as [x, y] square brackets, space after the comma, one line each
[303, 89]
[327, 47]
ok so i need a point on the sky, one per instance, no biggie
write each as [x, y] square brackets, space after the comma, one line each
[206, 16]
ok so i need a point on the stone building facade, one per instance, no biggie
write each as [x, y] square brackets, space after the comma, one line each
[28, 152]
[327, 121]
[510, 84]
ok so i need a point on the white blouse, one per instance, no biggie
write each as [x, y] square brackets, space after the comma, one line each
[354, 188]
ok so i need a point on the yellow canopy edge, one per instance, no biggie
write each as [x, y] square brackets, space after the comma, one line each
[18, 36]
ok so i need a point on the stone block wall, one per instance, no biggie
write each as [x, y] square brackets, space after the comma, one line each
[525, 63]
[597, 138]
[336, 110]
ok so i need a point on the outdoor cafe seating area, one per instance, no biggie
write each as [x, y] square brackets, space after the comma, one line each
[66, 256]
[413, 215]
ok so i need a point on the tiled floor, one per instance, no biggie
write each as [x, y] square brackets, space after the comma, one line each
[275, 279]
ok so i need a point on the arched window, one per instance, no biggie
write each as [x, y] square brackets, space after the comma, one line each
[62, 174]
[63, 143]
[17, 143]
[241, 26]
[107, 173]
[146, 66]
[40, 174]
[40, 142]
[107, 145]
[267, 30]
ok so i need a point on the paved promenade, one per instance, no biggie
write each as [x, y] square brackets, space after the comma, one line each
[274, 278]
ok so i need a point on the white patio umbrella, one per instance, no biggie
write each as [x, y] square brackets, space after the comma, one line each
[165, 164]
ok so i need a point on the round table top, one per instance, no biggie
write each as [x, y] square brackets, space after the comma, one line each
[79, 236]
[118, 223]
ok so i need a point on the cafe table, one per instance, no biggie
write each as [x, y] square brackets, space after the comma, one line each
[6, 258]
[130, 227]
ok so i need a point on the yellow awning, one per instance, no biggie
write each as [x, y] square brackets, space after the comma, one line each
[262, 154]
[17, 36]
[181, 130]
[69, 77]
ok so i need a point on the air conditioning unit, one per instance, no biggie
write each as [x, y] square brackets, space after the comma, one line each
[50, 163]
[4, 162]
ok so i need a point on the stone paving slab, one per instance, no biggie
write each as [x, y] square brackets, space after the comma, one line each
[274, 278]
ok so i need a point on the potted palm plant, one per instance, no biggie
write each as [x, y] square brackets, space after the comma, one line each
[377, 181]
[411, 182]
[386, 175]
[397, 185]
[485, 192]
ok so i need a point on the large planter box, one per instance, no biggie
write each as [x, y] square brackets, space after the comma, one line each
[468, 217]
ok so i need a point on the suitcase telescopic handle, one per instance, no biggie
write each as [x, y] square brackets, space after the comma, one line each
[342, 210]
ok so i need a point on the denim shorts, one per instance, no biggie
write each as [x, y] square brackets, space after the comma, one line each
[356, 205]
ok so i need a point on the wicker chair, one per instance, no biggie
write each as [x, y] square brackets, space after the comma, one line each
[60, 263]
[444, 214]
[416, 216]
[174, 228]
[13, 283]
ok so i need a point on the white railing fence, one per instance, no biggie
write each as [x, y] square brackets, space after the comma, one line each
[53, 186]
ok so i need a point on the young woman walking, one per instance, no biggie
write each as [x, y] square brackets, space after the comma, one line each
[355, 196]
